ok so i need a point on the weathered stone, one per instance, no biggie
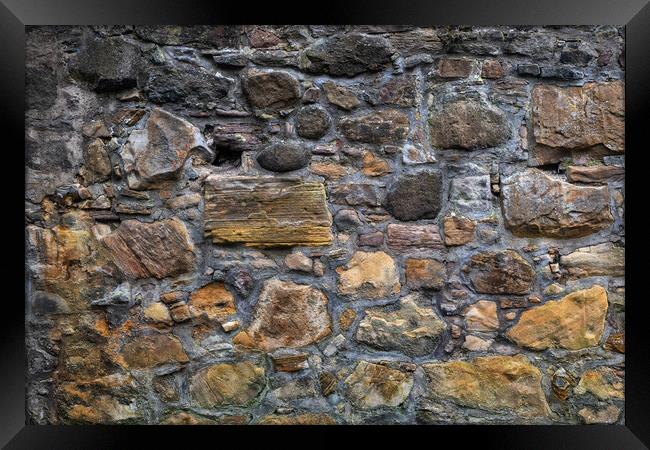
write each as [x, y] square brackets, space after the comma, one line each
[566, 119]
[419, 41]
[414, 328]
[404, 237]
[455, 67]
[97, 164]
[218, 36]
[416, 154]
[158, 152]
[458, 230]
[272, 90]
[347, 318]
[158, 313]
[492, 69]
[227, 384]
[415, 196]
[425, 273]
[535, 204]
[476, 344]
[373, 386]
[237, 137]
[212, 301]
[388, 126]
[347, 219]
[283, 157]
[503, 272]
[594, 174]
[312, 122]
[355, 194]
[574, 322]
[266, 212]
[329, 170]
[605, 259]
[299, 262]
[492, 383]
[340, 96]
[482, 317]
[186, 418]
[561, 73]
[368, 275]
[615, 342]
[348, 54]
[158, 249]
[150, 351]
[374, 166]
[603, 383]
[608, 415]
[298, 419]
[241, 281]
[399, 92]
[372, 239]
[287, 315]
[471, 195]
[290, 363]
[467, 124]
[532, 70]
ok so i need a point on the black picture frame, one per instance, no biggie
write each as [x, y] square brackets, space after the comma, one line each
[16, 14]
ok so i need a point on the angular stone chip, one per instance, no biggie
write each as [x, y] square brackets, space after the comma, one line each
[266, 212]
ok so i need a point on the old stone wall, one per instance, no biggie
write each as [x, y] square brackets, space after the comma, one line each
[325, 224]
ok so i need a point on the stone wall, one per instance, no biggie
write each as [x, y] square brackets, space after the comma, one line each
[325, 224]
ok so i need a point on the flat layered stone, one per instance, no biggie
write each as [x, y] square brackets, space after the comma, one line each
[458, 230]
[374, 385]
[492, 383]
[535, 204]
[502, 272]
[266, 212]
[158, 249]
[368, 275]
[388, 126]
[158, 152]
[467, 124]
[605, 259]
[227, 384]
[404, 237]
[574, 322]
[298, 419]
[413, 329]
[286, 315]
[594, 174]
[577, 118]
[348, 54]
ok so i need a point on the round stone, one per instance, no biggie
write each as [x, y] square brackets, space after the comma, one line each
[283, 157]
[312, 122]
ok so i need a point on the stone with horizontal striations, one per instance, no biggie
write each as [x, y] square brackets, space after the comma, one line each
[594, 174]
[238, 136]
[597, 260]
[425, 273]
[150, 351]
[413, 329]
[467, 124]
[368, 275]
[213, 301]
[158, 152]
[577, 118]
[286, 315]
[158, 249]
[415, 196]
[535, 204]
[502, 272]
[290, 362]
[298, 419]
[272, 90]
[227, 384]
[347, 54]
[388, 126]
[492, 383]
[574, 322]
[404, 237]
[374, 385]
[266, 212]
[458, 230]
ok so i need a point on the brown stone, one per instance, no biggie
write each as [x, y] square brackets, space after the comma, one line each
[329, 170]
[492, 383]
[378, 127]
[458, 230]
[368, 276]
[186, 418]
[615, 342]
[158, 313]
[425, 273]
[574, 322]
[492, 69]
[273, 90]
[266, 212]
[372, 239]
[587, 118]
[503, 272]
[404, 237]
[374, 166]
[327, 383]
[608, 415]
[150, 351]
[212, 301]
[482, 317]
[158, 249]
[603, 383]
[373, 385]
[605, 259]
[340, 96]
[454, 67]
[286, 315]
[299, 262]
[594, 174]
[290, 363]
[238, 136]
[227, 384]
[347, 318]
[299, 419]
[97, 164]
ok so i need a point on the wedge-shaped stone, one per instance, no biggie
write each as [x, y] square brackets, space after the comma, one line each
[535, 205]
[266, 212]
[287, 315]
[375, 385]
[574, 322]
[492, 383]
[413, 329]
[588, 118]
[227, 384]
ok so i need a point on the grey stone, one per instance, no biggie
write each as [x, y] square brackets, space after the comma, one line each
[283, 157]
[415, 196]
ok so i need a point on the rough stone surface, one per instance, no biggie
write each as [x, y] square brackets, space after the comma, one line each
[347, 55]
[414, 328]
[574, 322]
[597, 260]
[272, 90]
[425, 273]
[340, 96]
[283, 157]
[312, 122]
[386, 126]
[535, 204]
[405, 237]
[458, 230]
[374, 385]
[368, 275]
[227, 384]
[504, 272]
[482, 317]
[415, 196]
